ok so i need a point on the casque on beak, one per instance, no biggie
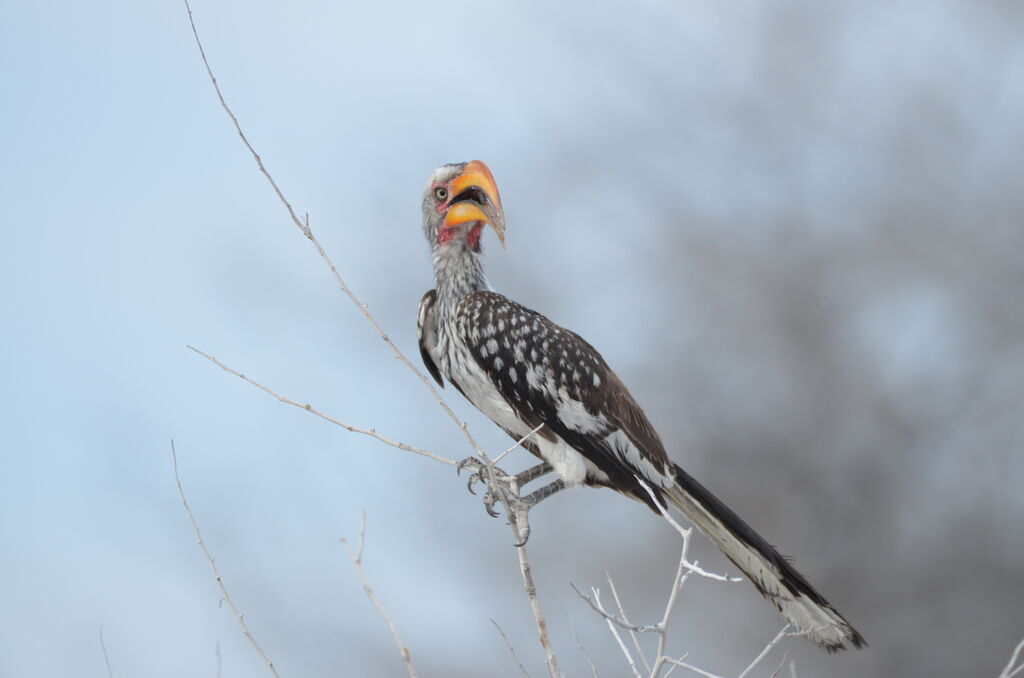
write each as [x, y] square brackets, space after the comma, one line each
[475, 198]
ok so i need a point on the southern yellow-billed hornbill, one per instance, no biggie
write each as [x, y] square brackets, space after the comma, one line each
[528, 374]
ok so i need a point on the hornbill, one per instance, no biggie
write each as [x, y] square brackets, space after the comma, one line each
[547, 386]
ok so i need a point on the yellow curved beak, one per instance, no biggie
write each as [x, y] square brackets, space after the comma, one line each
[477, 175]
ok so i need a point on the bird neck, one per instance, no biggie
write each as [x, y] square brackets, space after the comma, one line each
[458, 271]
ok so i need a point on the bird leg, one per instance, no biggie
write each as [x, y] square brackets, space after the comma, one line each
[505, 488]
[513, 482]
[519, 507]
[529, 475]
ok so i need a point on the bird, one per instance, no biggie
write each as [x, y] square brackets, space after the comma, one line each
[548, 388]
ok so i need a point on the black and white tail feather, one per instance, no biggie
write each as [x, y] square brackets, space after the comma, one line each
[768, 570]
[546, 384]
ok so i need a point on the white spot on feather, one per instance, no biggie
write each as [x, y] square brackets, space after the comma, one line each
[575, 415]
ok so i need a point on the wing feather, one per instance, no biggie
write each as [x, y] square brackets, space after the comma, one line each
[426, 331]
[551, 375]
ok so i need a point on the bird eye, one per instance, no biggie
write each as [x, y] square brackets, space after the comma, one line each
[440, 193]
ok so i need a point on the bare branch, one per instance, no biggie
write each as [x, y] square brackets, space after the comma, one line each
[682, 574]
[511, 649]
[303, 225]
[518, 443]
[306, 231]
[106, 658]
[531, 594]
[622, 612]
[684, 532]
[1009, 671]
[216, 572]
[357, 560]
[309, 408]
[613, 619]
[767, 648]
[690, 667]
[583, 650]
[615, 632]
[776, 672]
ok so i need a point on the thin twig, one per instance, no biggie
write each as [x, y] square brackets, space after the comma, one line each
[309, 408]
[691, 667]
[518, 443]
[216, 572]
[615, 633]
[609, 617]
[303, 225]
[217, 650]
[776, 672]
[767, 648]
[682, 574]
[357, 560]
[1009, 671]
[106, 658]
[306, 231]
[583, 650]
[684, 532]
[622, 612]
[672, 667]
[511, 649]
[542, 626]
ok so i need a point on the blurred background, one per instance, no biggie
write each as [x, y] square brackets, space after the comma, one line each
[793, 227]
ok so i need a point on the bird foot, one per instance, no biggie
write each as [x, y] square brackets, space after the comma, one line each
[503, 490]
[480, 474]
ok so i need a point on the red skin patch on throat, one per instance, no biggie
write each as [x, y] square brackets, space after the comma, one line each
[444, 234]
[473, 239]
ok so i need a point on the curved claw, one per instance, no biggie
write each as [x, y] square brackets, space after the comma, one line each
[489, 501]
[460, 465]
[524, 532]
[474, 478]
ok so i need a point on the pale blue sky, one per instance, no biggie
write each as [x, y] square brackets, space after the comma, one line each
[134, 223]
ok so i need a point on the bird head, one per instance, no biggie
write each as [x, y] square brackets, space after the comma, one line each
[460, 198]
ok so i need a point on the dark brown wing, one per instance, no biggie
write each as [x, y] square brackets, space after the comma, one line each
[426, 330]
[551, 375]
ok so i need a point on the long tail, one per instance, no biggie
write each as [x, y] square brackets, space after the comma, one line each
[771, 572]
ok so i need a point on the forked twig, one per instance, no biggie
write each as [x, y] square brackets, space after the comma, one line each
[690, 667]
[622, 612]
[684, 532]
[615, 633]
[599, 609]
[216, 573]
